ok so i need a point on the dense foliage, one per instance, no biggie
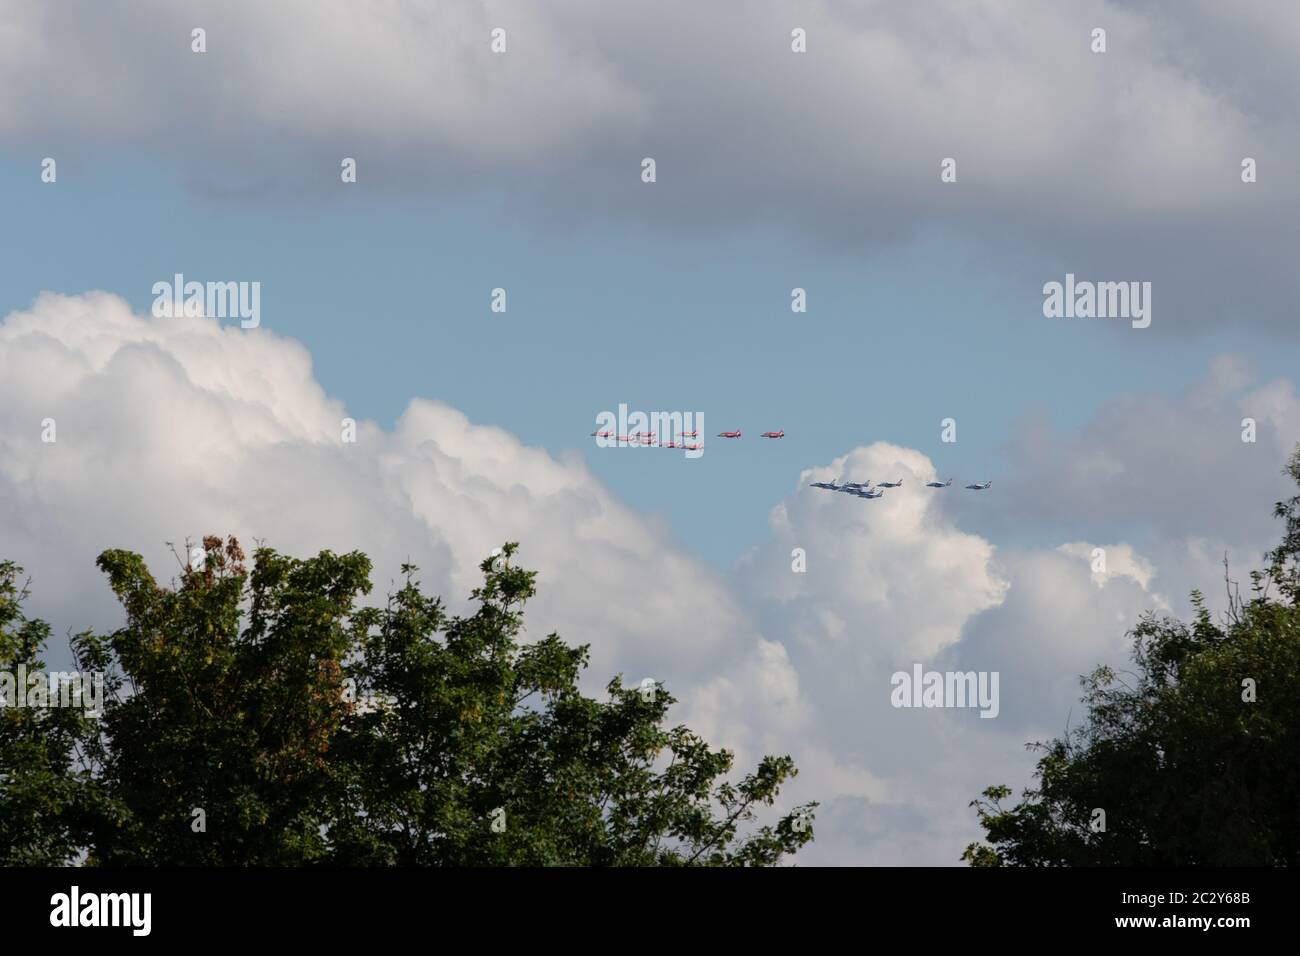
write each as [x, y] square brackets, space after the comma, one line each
[1194, 758]
[269, 717]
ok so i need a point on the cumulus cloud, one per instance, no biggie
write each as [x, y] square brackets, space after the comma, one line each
[1167, 471]
[172, 427]
[175, 427]
[903, 576]
[1059, 621]
[167, 428]
[895, 583]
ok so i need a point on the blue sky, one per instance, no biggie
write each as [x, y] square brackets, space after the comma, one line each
[895, 339]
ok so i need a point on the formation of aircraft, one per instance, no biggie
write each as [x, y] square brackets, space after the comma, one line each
[861, 489]
[864, 489]
[650, 439]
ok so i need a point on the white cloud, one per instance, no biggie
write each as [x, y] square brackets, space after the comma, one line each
[893, 582]
[901, 574]
[168, 428]
[176, 427]
[1169, 471]
[1059, 621]
[1110, 561]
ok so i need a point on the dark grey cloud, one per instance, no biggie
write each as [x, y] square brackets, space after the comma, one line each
[1122, 165]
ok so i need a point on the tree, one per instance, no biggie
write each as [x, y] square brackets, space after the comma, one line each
[1192, 759]
[41, 785]
[267, 717]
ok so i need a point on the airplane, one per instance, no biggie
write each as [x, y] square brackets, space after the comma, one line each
[693, 446]
[871, 494]
[602, 434]
[979, 487]
[780, 434]
[892, 484]
[735, 434]
[694, 434]
[670, 444]
[858, 485]
[625, 438]
[938, 484]
[643, 434]
[828, 485]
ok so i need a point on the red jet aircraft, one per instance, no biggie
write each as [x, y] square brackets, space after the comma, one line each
[780, 434]
[728, 434]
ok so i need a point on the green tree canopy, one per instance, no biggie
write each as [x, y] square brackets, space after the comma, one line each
[310, 728]
[1193, 758]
